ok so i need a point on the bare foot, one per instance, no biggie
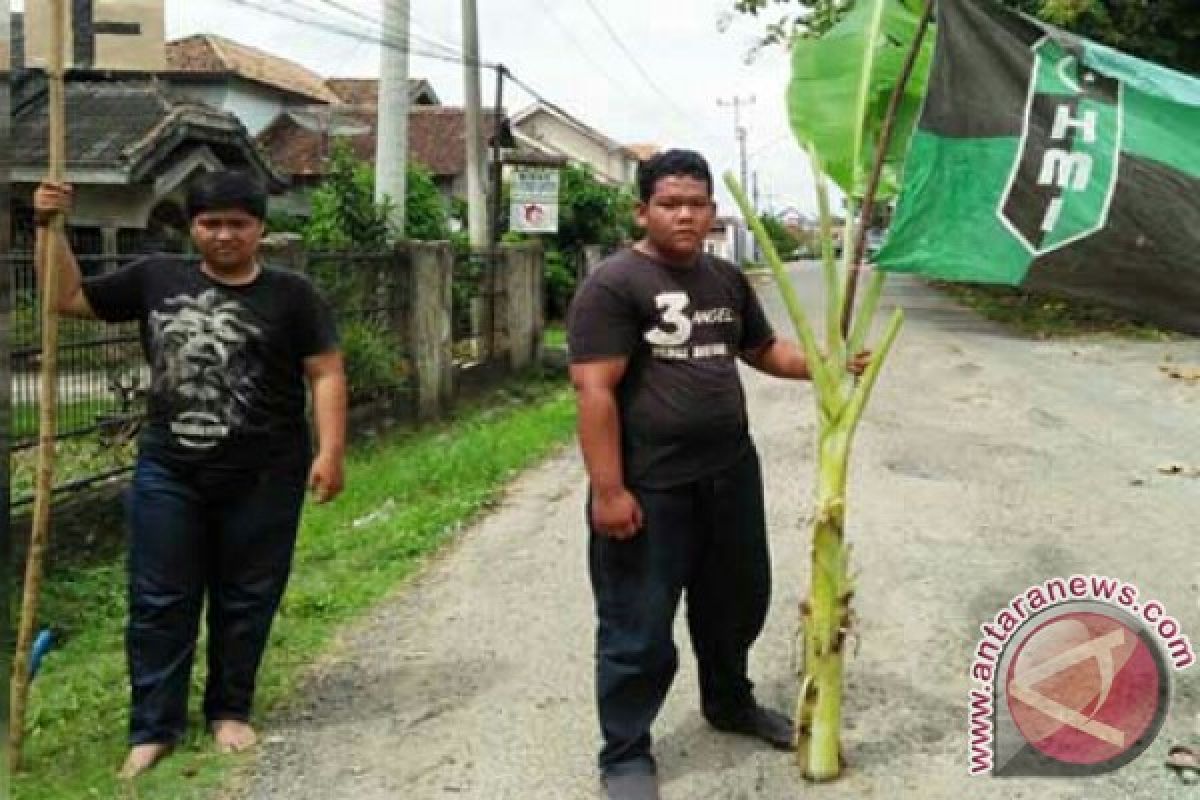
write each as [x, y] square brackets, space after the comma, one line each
[142, 757]
[233, 736]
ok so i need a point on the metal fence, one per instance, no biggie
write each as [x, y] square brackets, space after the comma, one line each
[103, 379]
[99, 365]
[474, 297]
[369, 293]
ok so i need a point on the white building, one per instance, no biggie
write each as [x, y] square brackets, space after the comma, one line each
[547, 129]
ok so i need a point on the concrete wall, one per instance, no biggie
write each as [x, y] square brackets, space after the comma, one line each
[147, 51]
[421, 317]
[420, 314]
[520, 315]
[255, 105]
[144, 52]
[431, 340]
[720, 243]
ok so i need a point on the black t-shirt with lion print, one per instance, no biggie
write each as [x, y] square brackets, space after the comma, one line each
[227, 386]
[681, 404]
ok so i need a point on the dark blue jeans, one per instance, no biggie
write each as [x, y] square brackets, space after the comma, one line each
[194, 532]
[707, 538]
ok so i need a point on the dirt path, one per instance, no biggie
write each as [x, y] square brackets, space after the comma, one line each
[986, 465]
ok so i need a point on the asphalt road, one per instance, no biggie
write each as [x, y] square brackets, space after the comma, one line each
[986, 463]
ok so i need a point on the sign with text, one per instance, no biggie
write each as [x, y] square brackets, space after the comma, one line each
[534, 207]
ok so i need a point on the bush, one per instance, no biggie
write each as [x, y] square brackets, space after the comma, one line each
[282, 222]
[345, 215]
[373, 363]
[592, 213]
[425, 213]
[560, 282]
[785, 243]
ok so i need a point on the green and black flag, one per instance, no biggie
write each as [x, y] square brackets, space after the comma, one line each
[1054, 163]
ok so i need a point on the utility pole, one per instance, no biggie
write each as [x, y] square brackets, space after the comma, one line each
[757, 212]
[477, 211]
[497, 178]
[391, 141]
[736, 102]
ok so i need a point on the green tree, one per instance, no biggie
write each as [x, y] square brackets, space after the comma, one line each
[591, 212]
[1163, 31]
[785, 243]
[425, 213]
[345, 215]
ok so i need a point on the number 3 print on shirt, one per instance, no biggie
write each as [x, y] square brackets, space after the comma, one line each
[672, 306]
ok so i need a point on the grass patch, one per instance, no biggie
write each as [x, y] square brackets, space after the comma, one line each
[74, 459]
[1044, 317]
[72, 415]
[410, 494]
[555, 335]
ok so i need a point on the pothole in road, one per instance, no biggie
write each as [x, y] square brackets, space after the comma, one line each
[911, 469]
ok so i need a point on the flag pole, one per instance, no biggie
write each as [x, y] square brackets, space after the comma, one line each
[885, 141]
[47, 395]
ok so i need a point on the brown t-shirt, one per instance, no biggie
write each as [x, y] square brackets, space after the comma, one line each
[681, 404]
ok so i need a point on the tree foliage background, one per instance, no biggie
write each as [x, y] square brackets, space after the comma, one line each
[786, 244]
[589, 213]
[1163, 31]
[345, 215]
[346, 218]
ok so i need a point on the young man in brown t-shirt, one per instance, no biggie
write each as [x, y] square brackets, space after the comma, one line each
[676, 500]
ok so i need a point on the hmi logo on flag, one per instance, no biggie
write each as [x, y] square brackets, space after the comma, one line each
[1065, 172]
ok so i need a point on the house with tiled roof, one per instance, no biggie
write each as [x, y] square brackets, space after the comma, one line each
[252, 84]
[299, 143]
[131, 148]
[548, 129]
[286, 114]
[259, 86]
[365, 92]
[644, 151]
[133, 140]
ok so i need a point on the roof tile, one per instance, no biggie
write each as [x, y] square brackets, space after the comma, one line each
[436, 140]
[207, 52]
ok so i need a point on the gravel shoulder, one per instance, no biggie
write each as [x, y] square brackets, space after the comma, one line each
[986, 463]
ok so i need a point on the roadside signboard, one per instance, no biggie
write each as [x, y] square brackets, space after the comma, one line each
[534, 205]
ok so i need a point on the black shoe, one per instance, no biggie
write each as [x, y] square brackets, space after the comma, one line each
[762, 723]
[632, 786]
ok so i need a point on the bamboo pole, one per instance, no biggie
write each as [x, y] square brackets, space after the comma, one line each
[885, 141]
[48, 394]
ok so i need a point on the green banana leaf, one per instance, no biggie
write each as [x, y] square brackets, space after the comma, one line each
[842, 83]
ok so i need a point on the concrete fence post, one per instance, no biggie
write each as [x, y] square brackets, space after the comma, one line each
[430, 335]
[593, 254]
[522, 297]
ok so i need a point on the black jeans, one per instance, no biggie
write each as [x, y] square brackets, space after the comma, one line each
[197, 531]
[708, 538]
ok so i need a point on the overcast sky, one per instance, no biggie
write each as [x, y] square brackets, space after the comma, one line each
[563, 51]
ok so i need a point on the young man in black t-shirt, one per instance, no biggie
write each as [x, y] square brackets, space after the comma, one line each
[224, 456]
[676, 500]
